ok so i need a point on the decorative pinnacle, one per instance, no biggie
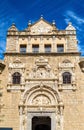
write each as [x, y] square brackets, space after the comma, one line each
[41, 16]
[69, 23]
[13, 24]
[53, 22]
[29, 23]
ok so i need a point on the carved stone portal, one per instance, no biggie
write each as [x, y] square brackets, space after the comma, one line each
[41, 102]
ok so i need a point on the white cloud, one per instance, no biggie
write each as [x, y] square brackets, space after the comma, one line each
[67, 20]
[70, 15]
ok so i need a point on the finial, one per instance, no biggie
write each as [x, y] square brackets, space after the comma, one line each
[41, 16]
[53, 22]
[69, 23]
[29, 23]
[13, 24]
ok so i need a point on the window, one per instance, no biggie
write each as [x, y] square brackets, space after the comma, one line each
[16, 78]
[60, 48]
[22, 48]
[66, 78]
[35, 48]
[47, 48]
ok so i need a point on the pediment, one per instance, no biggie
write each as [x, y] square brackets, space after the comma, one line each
[16, 64]
[41, 27]
[17, 61]
[66, 64]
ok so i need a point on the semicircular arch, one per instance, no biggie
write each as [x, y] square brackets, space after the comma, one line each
[44, 94]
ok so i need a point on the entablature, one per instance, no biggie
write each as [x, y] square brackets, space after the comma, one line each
[26, 33]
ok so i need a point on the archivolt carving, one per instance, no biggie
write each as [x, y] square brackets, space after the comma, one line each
[44, 95]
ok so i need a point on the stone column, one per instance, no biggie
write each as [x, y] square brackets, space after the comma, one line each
[53, 44]
[17, 44]
[21, 118]
[41, 45]
[29, 45]
[61, 106]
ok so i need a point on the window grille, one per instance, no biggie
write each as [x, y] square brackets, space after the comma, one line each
[66, 78]
[16, 78]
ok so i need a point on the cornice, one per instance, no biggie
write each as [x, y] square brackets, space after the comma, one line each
[42, 54]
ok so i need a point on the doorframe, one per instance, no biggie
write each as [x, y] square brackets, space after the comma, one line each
[52, 115]
[41, 120]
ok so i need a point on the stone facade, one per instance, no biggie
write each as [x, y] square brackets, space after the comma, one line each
[41, 54]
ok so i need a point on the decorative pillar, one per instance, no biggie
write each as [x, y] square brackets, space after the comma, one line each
[41, 45]
[54, 44]
[61, 107]
[29, 45]
[21, 118]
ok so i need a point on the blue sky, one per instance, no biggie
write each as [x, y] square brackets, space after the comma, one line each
[21, 11]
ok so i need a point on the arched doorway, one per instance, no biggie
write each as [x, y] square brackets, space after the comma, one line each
[41, 123]
[43, 109]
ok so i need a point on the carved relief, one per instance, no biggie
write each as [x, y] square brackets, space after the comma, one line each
[41, 100]
[41, 69]
[66, 64]
[41, 28]
[16, 64]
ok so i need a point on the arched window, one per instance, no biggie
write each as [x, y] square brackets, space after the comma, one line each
[16, 78]
[66, 78]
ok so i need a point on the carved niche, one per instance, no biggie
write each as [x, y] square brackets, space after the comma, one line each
[67, 66]
[16, 66]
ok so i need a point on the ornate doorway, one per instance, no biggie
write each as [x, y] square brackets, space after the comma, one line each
[44, 103]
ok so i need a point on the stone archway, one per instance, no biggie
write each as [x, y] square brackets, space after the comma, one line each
[41, 102]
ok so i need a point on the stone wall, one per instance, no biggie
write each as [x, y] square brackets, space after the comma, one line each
[71, 98]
